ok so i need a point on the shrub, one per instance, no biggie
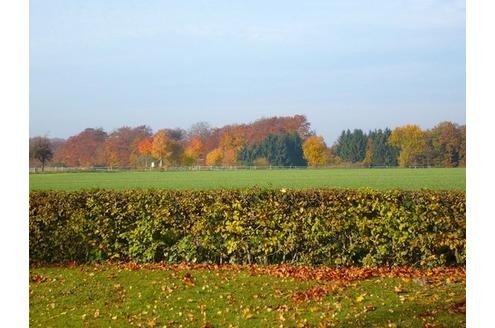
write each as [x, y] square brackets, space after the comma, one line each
[336, 227]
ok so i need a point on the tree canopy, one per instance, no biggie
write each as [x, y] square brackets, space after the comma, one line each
[41, 150]
[276, 141]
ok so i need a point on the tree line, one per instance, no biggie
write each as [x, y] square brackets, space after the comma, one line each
[278, 141]
[444, 145]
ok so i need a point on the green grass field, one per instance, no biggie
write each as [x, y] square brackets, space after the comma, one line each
[438, 178]
[119, 295]
[116, 296]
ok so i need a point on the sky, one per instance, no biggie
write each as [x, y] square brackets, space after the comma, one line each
[344, 64]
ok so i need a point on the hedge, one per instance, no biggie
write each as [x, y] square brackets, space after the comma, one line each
[335, 227]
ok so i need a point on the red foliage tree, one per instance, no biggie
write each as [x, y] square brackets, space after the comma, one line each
[145, 146]
[121, 146]
[82, 150]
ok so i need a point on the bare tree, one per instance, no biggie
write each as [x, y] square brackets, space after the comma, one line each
[41, 149]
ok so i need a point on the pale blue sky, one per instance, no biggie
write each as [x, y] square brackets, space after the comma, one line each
[344, 64]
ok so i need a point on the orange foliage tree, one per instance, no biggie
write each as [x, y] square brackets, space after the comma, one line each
[145, 147]
[194, 150]
[231, 142]
[167, 150]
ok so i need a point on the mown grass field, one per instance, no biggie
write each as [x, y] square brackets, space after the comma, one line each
[187, 296]
[381, 179]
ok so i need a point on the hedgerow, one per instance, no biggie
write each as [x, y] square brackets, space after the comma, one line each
[335, 227]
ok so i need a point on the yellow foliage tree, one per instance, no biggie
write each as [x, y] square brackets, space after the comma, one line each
[411, 141]
[214, 157]
[160, 148]
[315, 151]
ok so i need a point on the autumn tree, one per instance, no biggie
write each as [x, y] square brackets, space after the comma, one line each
[145, 147]
[200, 142]
[161, 146]
[260, 129]
[121, 146]
[193, 150]
[140, 133]
[315, 151]
[41, 150]
[446, 143]
[301, 125]
[167, 150]
[230, 143]
[215, 157]
[411, 141]
[82, 150]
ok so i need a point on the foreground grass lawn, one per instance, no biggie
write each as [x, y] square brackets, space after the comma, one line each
[194, 296]
[439, 179]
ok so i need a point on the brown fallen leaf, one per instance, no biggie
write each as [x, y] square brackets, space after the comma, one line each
[188, 279]
[37, 278]
[459, 307]
[369, 308]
